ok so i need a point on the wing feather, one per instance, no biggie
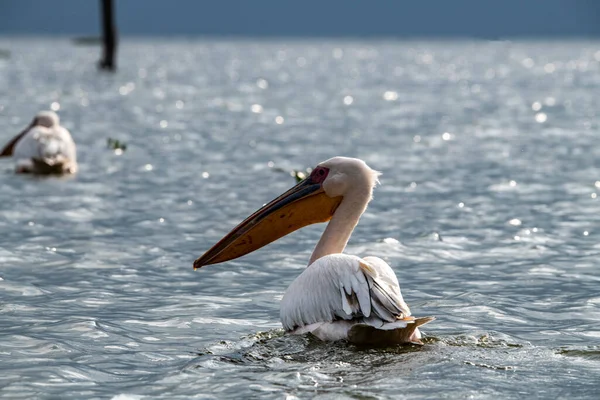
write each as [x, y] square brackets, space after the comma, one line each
[50, 149]
[340, 286]
[46, 144]
[346, 306]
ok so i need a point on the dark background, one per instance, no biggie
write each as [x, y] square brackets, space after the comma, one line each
[327, 18]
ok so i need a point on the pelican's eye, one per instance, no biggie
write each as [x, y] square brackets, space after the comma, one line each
[319, 174]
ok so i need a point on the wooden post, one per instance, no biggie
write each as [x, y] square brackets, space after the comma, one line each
[109, 36]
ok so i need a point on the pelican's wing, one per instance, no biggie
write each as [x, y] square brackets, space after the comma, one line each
[344, 287]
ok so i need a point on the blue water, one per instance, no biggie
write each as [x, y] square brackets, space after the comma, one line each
[488, 211]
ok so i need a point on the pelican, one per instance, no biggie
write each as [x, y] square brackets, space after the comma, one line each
[44, 147]
[338, 296]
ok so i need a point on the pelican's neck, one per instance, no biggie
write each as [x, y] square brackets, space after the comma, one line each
[340, 227]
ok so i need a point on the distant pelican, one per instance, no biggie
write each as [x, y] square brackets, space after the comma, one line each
[44, 147]
[338, 296]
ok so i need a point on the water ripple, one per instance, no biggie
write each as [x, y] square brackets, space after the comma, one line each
[487, 211]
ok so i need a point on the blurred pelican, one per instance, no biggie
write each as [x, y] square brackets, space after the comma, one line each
[44, 147]
[338, 296]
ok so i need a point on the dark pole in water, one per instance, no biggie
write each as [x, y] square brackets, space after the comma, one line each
[109, 35]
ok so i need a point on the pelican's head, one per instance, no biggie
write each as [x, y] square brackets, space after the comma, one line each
[311, 201]
[47, 119]
[344, 175]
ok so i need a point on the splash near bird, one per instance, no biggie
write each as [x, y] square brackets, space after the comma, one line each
[338, 296]
[44, 147]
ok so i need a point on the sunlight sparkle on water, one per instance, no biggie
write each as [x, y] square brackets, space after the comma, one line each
[541, 117]
[301, 61]
[256, 108]
[114, 256]
[528, 63]
[126, 89]
[390, 95]
[159, 93]
[426, 58]
[549, 68]
[55, 106]
[262, 83]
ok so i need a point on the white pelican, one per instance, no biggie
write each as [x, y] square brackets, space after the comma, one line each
[44, 147]
[338, 296]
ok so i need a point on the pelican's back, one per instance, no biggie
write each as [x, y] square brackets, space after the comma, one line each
[46, 151]
[341, 296]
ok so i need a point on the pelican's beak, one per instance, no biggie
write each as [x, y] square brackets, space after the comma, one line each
[304, 204]
[8, 150]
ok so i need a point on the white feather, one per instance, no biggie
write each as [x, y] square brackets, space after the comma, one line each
[52, 146]
[343, 287]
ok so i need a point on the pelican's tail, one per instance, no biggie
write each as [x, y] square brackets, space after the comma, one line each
[400, 332]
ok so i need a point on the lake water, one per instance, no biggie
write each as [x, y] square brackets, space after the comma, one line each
[488, 211]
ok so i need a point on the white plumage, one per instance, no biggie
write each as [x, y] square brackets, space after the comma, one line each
[44, 147]
[339, 292]
[337, 296]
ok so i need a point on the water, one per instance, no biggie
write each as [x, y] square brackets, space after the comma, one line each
[487, 210]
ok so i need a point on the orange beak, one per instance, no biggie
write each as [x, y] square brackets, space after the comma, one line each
[304, 204]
